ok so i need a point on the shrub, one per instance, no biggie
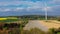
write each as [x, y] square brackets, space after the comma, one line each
[58, 18]
[33, 31]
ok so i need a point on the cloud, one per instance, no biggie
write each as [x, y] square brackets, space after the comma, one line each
[19, 5]
[29, 7]
[56, 8]
[4, 10]
[53, 2]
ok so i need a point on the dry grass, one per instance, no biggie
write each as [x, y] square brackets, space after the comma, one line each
[51, 23]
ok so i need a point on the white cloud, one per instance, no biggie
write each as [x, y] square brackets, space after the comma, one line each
[19, 8]
[54, 2]
[27, 5]
[4, 10]
[16, 3]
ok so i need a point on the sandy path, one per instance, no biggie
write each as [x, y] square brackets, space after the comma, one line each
[41, 24]
[35, 24]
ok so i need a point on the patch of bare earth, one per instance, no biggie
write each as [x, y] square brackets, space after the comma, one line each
[51, 23]
[42, 24]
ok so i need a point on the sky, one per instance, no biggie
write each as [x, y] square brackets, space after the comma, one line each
[18, 7]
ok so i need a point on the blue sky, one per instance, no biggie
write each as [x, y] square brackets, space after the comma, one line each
[29, 6]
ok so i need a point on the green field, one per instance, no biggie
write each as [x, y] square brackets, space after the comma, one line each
[8, 19]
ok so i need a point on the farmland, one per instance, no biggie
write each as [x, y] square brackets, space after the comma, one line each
[3, 18]
[8, 19]
[17, 24]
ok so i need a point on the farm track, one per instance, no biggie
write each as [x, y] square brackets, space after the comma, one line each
[42, 24]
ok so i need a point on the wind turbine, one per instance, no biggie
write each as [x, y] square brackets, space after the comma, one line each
[46, 10]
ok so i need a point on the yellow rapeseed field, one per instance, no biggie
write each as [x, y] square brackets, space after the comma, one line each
[3, 18]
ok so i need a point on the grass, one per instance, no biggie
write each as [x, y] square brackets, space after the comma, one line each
[3, 18]
[58, 33]
[10, 19]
